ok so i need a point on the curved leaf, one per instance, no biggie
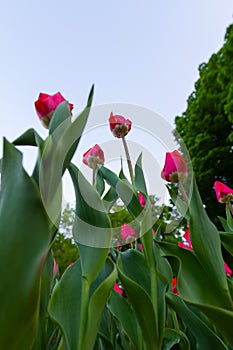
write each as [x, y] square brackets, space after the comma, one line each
[24, 235]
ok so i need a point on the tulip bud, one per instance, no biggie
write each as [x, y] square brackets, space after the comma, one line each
[46, 105]
[127, 233]
[175, 168]
[93, 156]
[224, 193]
[119, 125]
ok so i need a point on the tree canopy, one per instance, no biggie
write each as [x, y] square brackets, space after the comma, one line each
[206, 126]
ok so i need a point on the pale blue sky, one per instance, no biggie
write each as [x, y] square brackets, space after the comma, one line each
[138, 52]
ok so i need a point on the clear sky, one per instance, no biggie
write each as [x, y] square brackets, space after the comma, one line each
[139, 52]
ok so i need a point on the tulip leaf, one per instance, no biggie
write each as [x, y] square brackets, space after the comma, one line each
[140, 182]
[61, 114]
[29, 138]
[194, 283]
[92, 229]
[80, 321]
[135, 276]
[24, 235]
[123, 311]
[205, 337]
[227, 241]
[207, 245]
[171, 337]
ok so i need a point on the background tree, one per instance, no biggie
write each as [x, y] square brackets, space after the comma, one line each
[206, 126]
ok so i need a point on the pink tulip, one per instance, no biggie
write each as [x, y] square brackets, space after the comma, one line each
[175, 168]
[54, 267]
[187, 244]
[117, 289]
[127, 233]
[174, 283]
[46, 105]
[93, 156]
[228, 270]
[223, 192]
[119, 125]
[141, 199]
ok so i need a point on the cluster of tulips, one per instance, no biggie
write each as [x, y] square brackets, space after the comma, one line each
[153, 295]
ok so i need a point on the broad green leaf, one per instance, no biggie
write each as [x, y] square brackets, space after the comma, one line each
[29, 138]
[224, 224]
[58, 150]
[229, 218]
[207, 245]
[171, 337]
[123, 311]
[78, 309]
[194, 283]
[140, 182]
[24, 235]
[124, 191]
[205, 337]
[135, 276]
[99, 183]
[227, 241]
[92, 229]
[65, 305]
[61, 114]
[181, 206]
[99, 293]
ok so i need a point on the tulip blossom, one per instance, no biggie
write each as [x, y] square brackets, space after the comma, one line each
[119, 125]
[175, 168]
[46, 105]
[141, 199]
[187, 244]
[228, 270]
[174, 283]
[127, 233]
[118, 289]
[223, 192]
[93, 156]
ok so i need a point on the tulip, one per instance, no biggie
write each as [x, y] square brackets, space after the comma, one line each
[175, 168]
[227, 269]
[174, 283]
[119, 125]
[93, 156]
[46, 105]
[223, 192]
[118, 289]
[141, 199]
[127, 233]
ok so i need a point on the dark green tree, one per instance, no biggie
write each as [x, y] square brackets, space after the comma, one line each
[206, 126]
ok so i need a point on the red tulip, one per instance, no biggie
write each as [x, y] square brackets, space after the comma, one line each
[127, 233]
[119, 125]
[223, 192]
[93, 156]
[228, 270]
[46, 105]
[174, 283]
[175, 168]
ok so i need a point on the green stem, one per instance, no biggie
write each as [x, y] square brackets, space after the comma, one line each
[128, 160]
[83, 312]
[93, 176]
[183, 192]
[230, 207]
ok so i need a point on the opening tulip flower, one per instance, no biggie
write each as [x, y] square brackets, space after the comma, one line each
[175, 168]
[93, 156]
[223, 192]
[127, 233]
[119, 125]
[46, 105]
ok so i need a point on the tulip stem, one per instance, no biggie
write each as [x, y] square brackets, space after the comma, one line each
[128, 160]
[183, 192]
[93, 175]
[230, 207]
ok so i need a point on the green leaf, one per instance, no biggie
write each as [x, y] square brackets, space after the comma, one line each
[171, 337]
[92, 229]
[29, 138]
[123, 311]
[205, 337]
[227, 241]
[194, 283]
[24, 235]
[61, 114]
[135, 277]
[80, 321]
[207, 245]
[140, 182]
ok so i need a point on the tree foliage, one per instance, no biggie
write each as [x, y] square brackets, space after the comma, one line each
[206, 126]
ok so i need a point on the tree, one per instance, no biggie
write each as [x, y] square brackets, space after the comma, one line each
[206, 127]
